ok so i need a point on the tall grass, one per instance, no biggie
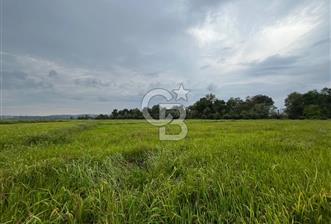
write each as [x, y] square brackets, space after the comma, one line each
[118, 172]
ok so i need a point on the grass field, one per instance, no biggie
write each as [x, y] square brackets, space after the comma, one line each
[119, 172]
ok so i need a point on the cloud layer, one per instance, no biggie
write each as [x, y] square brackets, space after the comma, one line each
[91, 57]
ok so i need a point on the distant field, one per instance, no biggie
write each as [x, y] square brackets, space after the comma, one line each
[271, 171]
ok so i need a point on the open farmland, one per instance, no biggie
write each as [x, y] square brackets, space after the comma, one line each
[263, 171]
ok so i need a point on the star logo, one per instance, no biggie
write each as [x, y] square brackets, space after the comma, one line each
[181, 92]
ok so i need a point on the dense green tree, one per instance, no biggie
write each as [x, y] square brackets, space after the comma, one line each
[294, 105]
[219, 108]
[234, 108]
[84, 117]
[135, 113]
[209, 107]
[155, 111]
[259, 106]
[102, 117]
[114, 114]
[312, 111]
[312, 104]
[126, 114]
[203, 108]
[325, 103]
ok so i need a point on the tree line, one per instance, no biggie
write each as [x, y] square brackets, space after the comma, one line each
[310, 105]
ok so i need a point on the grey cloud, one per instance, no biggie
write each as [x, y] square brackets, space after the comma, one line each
[18, 80]
[125, 99]
[274, 64]
[98, 33]
[90, 82]
[53, 74]
[204, 67]
[211, 87]
[321, 42]
[152, 74]
[114, 51]
[103, 99]
[205, 5]
[220, 60]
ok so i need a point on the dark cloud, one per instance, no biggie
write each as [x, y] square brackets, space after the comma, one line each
[204, 67]
[152, 74]
[220, 60]
[205, 5]
[274, 64]
[322, 42]
[123, 99]
[98, 33]
[103, 99]
[53, 74]
[227, 48]
[17, 80]
[91, 82]
[77, 53]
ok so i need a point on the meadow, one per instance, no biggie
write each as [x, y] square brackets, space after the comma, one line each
[117, 171]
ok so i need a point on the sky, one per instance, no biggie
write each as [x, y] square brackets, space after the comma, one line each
[79, 56]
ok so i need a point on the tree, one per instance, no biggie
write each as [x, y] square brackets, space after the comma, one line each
[155, 111]
[234, 107]
[135, 113]
[325, 102]
[294, 105]
[311, 97]
[312, 111]
[114, 114]
[102, 117]
[219, 108]
[84, 117]
[203, 108]
[312, 104]
[259, 106]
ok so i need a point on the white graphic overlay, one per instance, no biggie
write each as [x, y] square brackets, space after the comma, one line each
[164, 118]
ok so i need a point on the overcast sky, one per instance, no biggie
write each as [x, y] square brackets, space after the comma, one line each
[79, 56]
